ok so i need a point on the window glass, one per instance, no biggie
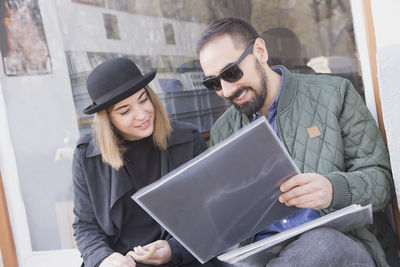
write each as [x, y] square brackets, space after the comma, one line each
[306, 36]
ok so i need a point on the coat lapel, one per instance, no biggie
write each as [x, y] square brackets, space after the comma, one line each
[120, 185]
[164, 162]
[164, 170]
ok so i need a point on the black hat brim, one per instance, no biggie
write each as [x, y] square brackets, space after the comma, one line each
[121, 93]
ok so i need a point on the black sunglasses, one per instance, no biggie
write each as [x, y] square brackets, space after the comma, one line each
[232, 73]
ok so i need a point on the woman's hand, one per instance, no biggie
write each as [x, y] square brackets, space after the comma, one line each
[161, 255]
[118, 260]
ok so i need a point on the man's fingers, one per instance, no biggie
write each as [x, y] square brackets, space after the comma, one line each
[296, 192]
[294, 181]
[307, 190]
[300, 200]
[313, 200]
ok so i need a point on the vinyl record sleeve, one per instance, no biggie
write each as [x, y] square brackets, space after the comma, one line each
[224, 195]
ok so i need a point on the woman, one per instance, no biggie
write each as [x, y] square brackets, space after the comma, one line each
[132, 144]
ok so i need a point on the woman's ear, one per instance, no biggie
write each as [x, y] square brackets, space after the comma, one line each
[260, 51]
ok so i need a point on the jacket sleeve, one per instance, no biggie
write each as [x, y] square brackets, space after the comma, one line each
[179, 254]
[367, 178]
[214, 136]
[92, 242]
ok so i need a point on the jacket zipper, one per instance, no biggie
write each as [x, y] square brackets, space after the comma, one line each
[378, 264]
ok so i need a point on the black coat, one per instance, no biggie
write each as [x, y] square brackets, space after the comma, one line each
[99, 188]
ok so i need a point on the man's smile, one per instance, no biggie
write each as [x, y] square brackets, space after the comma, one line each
[241, 95]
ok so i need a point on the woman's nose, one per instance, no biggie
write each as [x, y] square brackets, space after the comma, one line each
[139, 113]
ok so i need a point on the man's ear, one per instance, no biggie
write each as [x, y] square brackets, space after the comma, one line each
[260, 51]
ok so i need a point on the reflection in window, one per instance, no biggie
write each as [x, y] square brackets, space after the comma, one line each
[310, 36]
[169, 34]
[313, 36]
[122, 5]
[111, 26]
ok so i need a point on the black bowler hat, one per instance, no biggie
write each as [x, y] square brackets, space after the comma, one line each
[113, 81]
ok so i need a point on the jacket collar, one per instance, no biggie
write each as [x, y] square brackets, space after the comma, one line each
[288, 91]
[93, 149]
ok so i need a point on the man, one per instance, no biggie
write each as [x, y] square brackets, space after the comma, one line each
[327, 130]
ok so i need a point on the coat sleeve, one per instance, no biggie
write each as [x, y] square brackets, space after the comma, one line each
[179, 254]
[367, 177]
[92, 242]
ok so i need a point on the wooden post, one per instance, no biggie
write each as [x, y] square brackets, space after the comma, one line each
[371, 43]
[7, 245]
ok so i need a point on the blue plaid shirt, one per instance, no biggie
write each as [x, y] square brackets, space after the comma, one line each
[301, 216]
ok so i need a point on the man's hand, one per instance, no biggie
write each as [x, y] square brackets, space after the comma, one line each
[307, 190]
[118, 260]
[162, 254]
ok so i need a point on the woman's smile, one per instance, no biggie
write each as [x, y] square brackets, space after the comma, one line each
[144, 125]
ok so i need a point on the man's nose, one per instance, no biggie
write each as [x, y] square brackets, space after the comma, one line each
[228, 89]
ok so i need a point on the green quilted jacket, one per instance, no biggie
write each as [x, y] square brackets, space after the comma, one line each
[349, 152]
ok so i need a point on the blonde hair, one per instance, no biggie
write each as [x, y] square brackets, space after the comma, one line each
[110, 142]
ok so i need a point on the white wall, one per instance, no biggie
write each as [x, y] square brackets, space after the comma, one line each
[386, 19]
[36, 115]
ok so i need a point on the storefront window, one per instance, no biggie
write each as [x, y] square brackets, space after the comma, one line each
[306, 36]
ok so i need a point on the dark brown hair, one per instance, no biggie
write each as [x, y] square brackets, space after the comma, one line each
[241, 32]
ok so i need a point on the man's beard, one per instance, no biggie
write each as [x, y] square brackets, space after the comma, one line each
[254, 105]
